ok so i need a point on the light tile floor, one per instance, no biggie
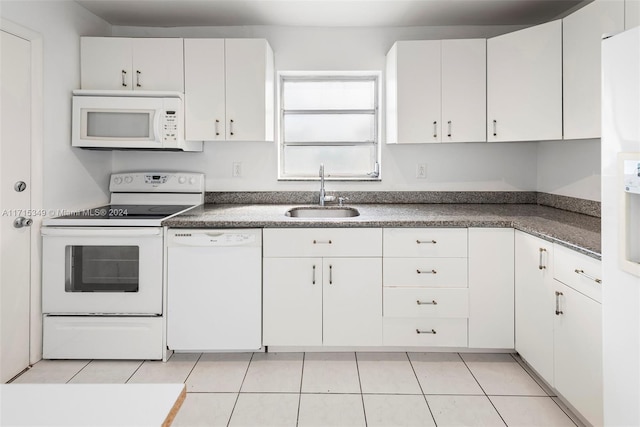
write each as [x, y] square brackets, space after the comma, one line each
[335, 389]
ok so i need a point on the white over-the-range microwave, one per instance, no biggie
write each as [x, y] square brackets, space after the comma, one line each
[120, 120]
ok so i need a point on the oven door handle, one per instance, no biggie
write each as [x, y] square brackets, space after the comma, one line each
[101, 232]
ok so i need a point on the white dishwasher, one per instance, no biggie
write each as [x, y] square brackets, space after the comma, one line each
[214, 289]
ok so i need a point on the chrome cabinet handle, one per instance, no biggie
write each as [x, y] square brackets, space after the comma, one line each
[558, 311]
[540, 265]
[435, 129]
[138, 73]
[433, 302]
[313, 278]
[433, 331]
[322, 242]
[231, 127]
[330, 274]
[216, 127]
[582, 273]
[449, 130]
[420, 242]
[495, 128]
[426, 271]
[124, 78]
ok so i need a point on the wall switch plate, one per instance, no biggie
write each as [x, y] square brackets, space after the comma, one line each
[421, 171]
[236, 170]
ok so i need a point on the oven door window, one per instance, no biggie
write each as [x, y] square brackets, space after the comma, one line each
[102, 269]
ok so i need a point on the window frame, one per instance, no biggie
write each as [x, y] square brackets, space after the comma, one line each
[365, 75]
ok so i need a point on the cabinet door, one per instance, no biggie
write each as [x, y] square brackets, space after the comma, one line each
[581, 62]
[413, 89]
[578, 352]
[352, 299]
[292, 301]
[464, 90]
[158, 64]
[491, 288]
[105, 63]
[204, 89]
[631, 14]
[534, 302]
[249, 90]
[524, 84]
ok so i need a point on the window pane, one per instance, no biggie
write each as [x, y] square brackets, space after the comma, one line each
[304, 161]
[329, 95]
[329, 127]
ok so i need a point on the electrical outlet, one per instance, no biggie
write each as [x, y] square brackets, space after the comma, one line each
[236, 170]
[421, 171]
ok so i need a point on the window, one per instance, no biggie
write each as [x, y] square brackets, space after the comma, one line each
[329, 119]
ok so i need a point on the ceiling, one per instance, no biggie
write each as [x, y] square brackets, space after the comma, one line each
[328, 13]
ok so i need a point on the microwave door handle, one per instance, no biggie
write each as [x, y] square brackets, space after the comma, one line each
[157, 125]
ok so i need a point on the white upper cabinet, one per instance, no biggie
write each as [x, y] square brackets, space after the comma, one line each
[229, 90]
[581, 40]
[436, 91]
[524, 84]
[204, 89]
[464, 90]
[115, 63]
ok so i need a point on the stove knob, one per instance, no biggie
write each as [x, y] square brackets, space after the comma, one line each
[128, 179]
[182, 180]
[117, 180]
[192, 181]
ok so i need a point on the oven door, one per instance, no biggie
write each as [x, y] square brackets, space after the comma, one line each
[102, 270]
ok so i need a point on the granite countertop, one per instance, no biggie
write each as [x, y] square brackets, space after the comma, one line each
[576, 231]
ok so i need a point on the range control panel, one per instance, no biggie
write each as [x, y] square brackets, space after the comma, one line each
[162, 182]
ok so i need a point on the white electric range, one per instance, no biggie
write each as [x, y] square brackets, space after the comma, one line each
[102, 286]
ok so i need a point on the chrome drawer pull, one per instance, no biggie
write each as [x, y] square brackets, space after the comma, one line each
[558, 311]
[435, 129]
[540, 265]
[433, 302]
[124, 76]
[433, 331]
[322, 242]
[426, 241]
[313, 281]
[330, 274]
[426, 271]
[216, 127]
[138, 73]
[582, 273]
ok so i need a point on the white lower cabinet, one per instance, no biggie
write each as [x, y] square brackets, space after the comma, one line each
[559, 321]
[322, 300]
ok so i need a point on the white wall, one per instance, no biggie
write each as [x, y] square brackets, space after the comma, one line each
[74, 178]
[570, 168]
[499, 167]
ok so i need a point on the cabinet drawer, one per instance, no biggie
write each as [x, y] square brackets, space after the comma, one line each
[404, 332]
[322, 242]
[578, 271]
[428, 272]
[419, 302]
[425, 242]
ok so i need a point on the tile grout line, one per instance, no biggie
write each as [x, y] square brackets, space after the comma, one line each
[482, 388]
[79, 370]
[304, 355]
[364, 409]
[238, 393]
[424, 396]
[134, 371]
[540, 383]
[190, 371]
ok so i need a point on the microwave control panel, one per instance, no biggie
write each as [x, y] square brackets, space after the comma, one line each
[632, 176]
[170, 126]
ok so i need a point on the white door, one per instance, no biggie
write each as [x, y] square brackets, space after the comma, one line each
[204, 93]
[352, 301]
[534, 302]
[246, 67]
[15, 201]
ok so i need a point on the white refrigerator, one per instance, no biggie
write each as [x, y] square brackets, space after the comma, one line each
[621, 227]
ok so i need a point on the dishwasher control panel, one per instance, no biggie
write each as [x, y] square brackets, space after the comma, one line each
[217, 238]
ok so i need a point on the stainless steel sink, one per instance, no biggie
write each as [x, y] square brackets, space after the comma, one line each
[322, 212]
